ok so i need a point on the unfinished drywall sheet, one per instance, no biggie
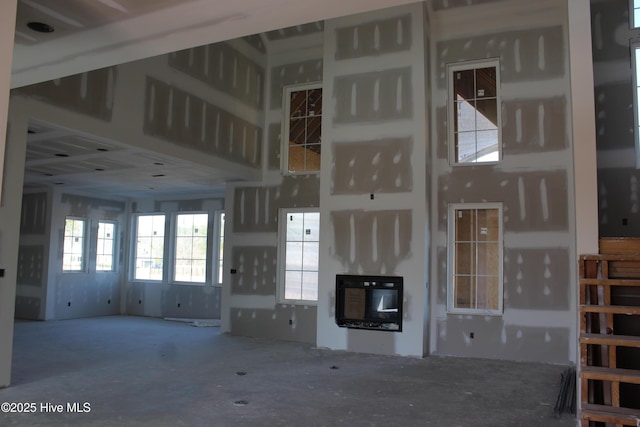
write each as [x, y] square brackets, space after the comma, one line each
[31, 265]
[186, 119]
[256, 42]
[295, 72]
[525, 55]
[374, 38]
[373, 184]
[256, 208]
[284, 322]
[494, 339]
[90, 93]
[371, 242]
[33, 219]
[374, 96]
[255, 268]
[379, 166]
[532, 200]
[225, 69]
[191, 302]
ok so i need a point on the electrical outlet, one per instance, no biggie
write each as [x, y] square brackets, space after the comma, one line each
[472, 335]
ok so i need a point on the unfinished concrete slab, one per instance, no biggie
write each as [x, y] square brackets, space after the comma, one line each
[143, 371]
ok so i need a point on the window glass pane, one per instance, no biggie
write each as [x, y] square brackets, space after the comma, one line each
[304, 134]
[191, 248]
[476, 275]
[475, 114]
[312, 226]
[486, 82]
[149, 247]
[293, 285]
[105, 244]
[295, 227]
[73, 245]
[294, 256]
[463, 84]
[310, 260]
[309, 286]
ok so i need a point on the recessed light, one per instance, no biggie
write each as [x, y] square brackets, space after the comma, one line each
[61, 155]
[158, 175]
[40, 27]
[48, 174]
[59, 183]
[99, 169]
[101, 149]
[159, 164]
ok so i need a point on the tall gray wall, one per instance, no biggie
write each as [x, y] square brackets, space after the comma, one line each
[251, 240]
[533, 181]
[373, 196]
[618, 177]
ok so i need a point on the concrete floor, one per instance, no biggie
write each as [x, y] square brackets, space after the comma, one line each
[136, 371]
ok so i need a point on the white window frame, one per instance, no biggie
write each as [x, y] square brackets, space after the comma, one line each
[451, 260]
[634, 5]
[218, 252]
[635, 67]
[83, 262]
[469, 65]
[286, 107]
[113, 246]
[282, 253]
[134, 243]
[174, 249]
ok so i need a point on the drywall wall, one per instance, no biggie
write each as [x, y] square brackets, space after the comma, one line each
[618, 177]
[251, 239]
[373, 194]
[533, 181]
[33, 254]
[166, 298]
[89, 292]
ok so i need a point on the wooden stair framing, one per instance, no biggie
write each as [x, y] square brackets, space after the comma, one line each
[600, 375]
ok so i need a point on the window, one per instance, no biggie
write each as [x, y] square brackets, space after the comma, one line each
[302, 129]
[635, 60]
[474, 112]
[74, 242]
[149, 256]
[106, 243]
[191, 248]
[220, 257]
[299, 231]
[475, 258]
[635, 13]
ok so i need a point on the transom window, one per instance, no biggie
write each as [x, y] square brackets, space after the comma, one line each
[191, 248]
[74, 244]
[635, 60]
[635, 13]
[299, 231]
[475, 258]
[474, 112]
[105, 247]
[149, 258]
[302, 129]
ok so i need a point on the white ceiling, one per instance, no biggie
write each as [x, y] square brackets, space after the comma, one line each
[93, 34]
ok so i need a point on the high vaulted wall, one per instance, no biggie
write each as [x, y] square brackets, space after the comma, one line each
[373, 195]
[533, 181]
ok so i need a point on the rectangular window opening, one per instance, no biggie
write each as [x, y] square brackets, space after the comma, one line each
[73, 257]
[299, 231]
[190, 262]
[105, 251]
[474, 112]
[149, 250]
[475, 258]
[302, 130]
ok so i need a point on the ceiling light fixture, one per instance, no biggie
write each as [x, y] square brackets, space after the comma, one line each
[158, 175]
[40, 27]
[101, 149]
[61, 155]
